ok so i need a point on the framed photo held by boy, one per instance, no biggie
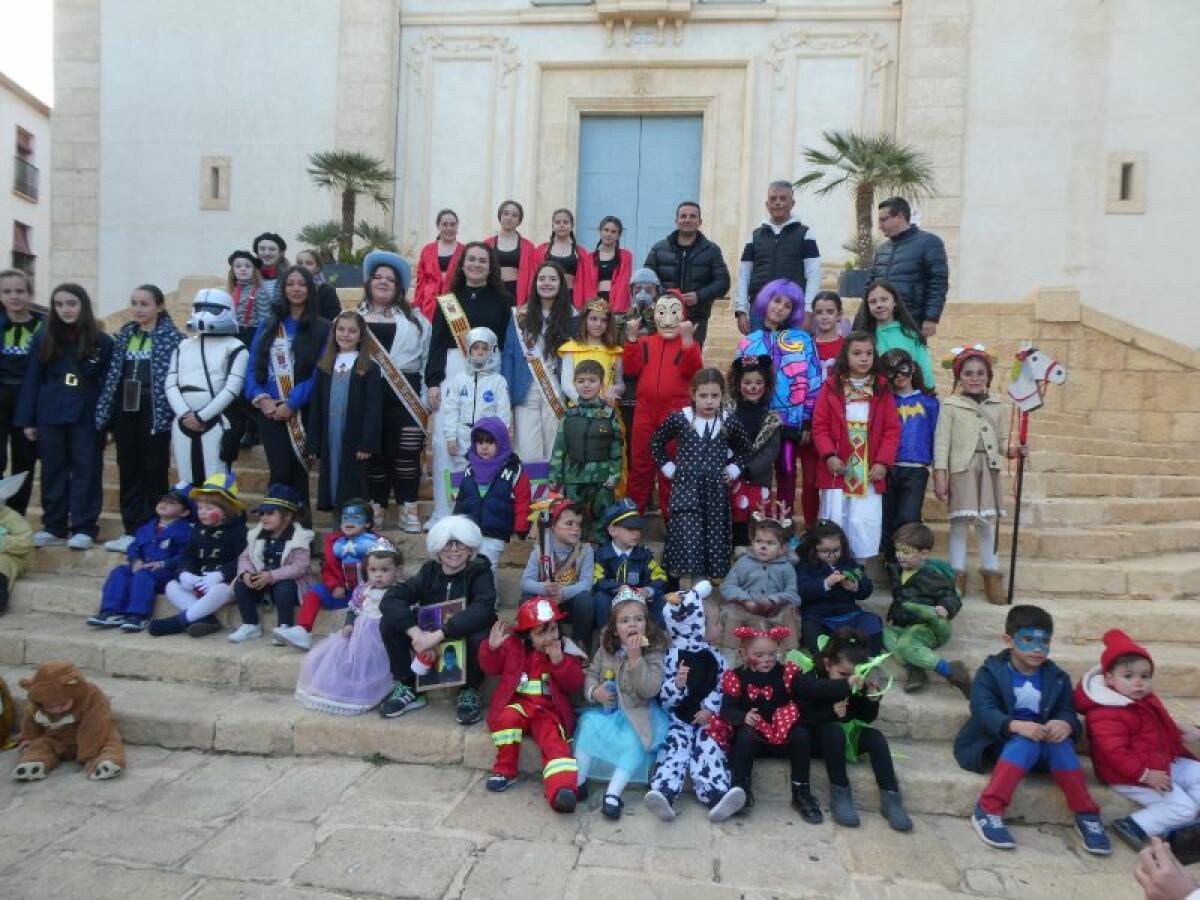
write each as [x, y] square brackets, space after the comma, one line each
[449, 669]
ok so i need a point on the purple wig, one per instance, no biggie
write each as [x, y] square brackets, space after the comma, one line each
[784, 288]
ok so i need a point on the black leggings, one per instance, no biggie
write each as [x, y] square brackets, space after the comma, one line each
[283, 594]
[902, 502]
[829, 743]
[749, 745]
[397, 470]
[285, 467]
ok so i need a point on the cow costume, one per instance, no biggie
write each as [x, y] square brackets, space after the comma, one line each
[206, 374]
[689, 748]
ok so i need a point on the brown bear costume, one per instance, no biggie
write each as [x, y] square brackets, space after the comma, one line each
[67, 717]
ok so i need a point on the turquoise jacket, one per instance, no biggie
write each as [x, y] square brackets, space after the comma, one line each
[892, 336]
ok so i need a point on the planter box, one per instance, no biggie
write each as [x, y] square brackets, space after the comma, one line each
[342, 275]
[853, 282]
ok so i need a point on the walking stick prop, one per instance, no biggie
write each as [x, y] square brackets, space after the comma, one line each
[1033, 372]
[541, 512]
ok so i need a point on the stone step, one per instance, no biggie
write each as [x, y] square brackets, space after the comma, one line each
[1064, 484]
[1087, 446]
[1093, 511]
[1044, 459]
[195, 717]
[1105, 543]
[31, 638]
[1163, 576]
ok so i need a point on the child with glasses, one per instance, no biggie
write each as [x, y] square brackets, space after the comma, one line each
[831, 585]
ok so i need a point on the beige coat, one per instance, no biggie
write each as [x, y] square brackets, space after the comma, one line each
[16, 543]
[637, 684]
[960, 425]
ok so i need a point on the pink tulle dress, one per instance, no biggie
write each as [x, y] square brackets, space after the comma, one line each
[348, 676]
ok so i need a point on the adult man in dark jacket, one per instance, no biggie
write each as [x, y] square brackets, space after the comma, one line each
[687, 260]
[914, 261]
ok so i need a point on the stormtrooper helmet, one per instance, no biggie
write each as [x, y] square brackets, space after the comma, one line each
[212, 312]
[489, 362]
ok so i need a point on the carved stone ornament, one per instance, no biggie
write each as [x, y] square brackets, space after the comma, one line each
[501, 48]
[874, 46]
[659, 14]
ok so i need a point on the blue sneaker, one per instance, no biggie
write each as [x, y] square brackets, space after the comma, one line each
[1091, 829]
[991, 830]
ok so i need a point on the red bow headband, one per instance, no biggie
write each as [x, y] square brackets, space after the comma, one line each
[746, 633]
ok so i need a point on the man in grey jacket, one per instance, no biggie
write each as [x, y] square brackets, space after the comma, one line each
[914, 261]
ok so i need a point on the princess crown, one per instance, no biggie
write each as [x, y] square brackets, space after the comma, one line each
[598, 304]
[382, 545]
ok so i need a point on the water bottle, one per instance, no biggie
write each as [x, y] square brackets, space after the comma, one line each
[610, 682]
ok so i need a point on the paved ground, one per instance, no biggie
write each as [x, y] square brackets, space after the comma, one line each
[201, 827]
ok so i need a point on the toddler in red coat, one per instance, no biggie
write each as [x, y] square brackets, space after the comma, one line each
[1136, 745]
[538, 672]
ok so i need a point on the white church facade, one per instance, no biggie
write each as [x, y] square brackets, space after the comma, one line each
[1061, 133]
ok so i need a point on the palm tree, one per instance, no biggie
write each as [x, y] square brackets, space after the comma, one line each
[868, 164]
[374, 238]
[351, 173]
[322, 237]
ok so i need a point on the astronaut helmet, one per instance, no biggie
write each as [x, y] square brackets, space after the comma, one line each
[490, 361]
[212, 312]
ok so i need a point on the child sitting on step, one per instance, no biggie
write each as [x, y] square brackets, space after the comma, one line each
[209, 564]
[925, 600]
[349, 672]
[839, 727]
[561, 567]
[1021, 717]
[343, 559]
[626, 562]
[495, 491]
[154, 557]
[1135, 744]
[273, 569]
[831, 586]
[760, 589]
[538, 672]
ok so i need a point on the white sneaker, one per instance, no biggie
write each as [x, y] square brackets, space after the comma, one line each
[244, 633]
[119, 545]
[409, 521]
[80, 542]
[295, 635]
[46, 539]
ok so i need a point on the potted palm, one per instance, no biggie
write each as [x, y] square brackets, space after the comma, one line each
[869, 166]
[350, 173]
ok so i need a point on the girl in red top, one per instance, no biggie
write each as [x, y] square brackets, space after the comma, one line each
[614, 265]
[538, 672]
[437, 264]
[856, 432]
[825, 325]
[564, 250]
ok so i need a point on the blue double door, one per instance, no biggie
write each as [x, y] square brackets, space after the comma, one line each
[637, 168]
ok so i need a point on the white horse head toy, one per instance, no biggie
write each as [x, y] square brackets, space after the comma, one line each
[1033, 370]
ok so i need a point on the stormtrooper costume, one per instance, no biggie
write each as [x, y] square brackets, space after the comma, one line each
[206, 374]
[689, 749]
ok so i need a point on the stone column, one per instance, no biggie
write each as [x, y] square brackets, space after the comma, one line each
[931, 109]
[75, 146]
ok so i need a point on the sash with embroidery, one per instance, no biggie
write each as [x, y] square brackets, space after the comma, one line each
[456, 319]
[281, 364]
[859, 463]
[397, 382]
[537, 366]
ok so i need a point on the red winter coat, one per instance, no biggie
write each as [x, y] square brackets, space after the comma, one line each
[525, 268]
[1126, 737]
[664, 370]
[830, 437]
[431, 283]
[585, 273]
[511, 659]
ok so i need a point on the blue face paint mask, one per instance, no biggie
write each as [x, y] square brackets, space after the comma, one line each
[1032, 640]
[354, 515]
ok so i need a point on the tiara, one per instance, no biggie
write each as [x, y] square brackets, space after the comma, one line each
[776, 511]
[598, 304]
[382, 545]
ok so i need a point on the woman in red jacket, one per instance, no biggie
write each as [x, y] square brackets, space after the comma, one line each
[514, 254]
[856, 433]
[538, 672]
[437, 264]
[613, 264]
[564, 250]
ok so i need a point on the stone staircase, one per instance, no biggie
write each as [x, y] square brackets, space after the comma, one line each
[1110, 538]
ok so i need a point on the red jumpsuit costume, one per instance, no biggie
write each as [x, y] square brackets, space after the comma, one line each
[664, 370]
[533, 697]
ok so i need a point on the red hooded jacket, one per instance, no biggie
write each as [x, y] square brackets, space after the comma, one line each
[511, 659]
[431, 282]
[830, 437]
[1127, 737]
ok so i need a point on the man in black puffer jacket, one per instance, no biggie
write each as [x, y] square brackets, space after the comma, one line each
[689, 262]
[914, 261]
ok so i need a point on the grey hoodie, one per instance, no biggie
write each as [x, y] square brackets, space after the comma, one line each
[750, 579]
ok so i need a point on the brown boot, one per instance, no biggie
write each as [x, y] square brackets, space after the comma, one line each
[960, 677]
[960, 583]
[993, 588]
